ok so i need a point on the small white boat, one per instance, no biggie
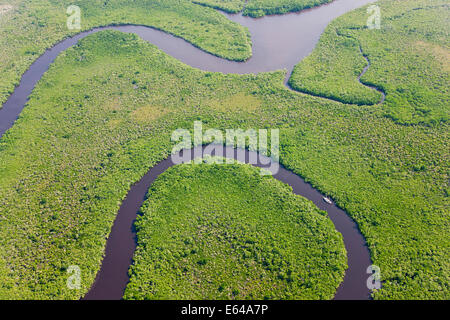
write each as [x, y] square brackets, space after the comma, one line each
[327, 200]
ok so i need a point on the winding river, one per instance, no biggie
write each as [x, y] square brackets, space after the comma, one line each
[279, 42]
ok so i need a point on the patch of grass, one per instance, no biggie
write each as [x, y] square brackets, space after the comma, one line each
[238, 103]
[408, 55]
[314, 75]
[226, 232]
[259, 8]
[230, 6]
[146, 114]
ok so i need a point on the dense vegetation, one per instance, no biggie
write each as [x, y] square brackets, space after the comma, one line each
[104, 112]
[231, 6]
[409, 58]
[259, 8]
[32, 26]
[226, 232]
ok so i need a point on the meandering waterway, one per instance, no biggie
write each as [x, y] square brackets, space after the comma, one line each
[279, 42]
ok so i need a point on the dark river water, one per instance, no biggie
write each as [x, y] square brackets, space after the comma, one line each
[113, 276]
[279, 42]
